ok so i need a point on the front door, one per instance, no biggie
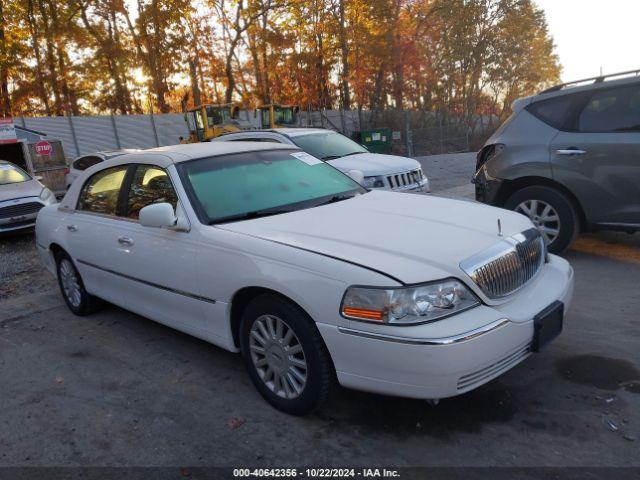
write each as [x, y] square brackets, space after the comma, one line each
[600, 160]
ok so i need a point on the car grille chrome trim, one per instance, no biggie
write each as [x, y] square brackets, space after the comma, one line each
[507, 266]
[20, 209]
[404, 180]
[485, 374]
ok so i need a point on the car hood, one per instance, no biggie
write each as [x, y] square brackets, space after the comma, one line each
[413, 238]
[31, 188]
[375, 164]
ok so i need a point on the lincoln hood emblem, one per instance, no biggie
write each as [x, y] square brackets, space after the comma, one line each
[499, 228]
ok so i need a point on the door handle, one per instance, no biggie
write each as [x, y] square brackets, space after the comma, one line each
[125, 241]
[72, 228]
[570, 151]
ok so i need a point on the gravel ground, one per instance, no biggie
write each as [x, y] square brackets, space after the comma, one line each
[21, 272]
[448, 171]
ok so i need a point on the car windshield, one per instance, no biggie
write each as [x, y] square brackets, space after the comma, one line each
[254, 184]
[11, 174]
[328, 145]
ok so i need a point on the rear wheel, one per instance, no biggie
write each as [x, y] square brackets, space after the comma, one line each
[552, 213]
[72, 288]
[285, 355]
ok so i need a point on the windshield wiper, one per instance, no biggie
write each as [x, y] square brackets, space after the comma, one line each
[333, 157]
[335, 198]
[267, 212]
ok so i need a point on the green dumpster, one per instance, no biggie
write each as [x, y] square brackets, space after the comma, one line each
[377, 140]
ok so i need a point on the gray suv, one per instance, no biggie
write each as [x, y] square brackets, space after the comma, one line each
[569, 159]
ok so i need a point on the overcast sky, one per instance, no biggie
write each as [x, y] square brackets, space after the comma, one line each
[590, 34]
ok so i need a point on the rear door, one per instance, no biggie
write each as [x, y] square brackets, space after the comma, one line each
[599, 158]
[92, 233]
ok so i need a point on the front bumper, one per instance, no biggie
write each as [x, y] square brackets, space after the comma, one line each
[19, 214]
[449, 357]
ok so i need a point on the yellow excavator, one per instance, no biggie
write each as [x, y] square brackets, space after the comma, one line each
[277, 116]
[210, 121]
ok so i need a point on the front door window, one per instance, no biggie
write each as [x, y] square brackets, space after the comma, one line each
[150, 185]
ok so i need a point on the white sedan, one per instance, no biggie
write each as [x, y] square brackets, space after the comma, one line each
[21, 198]
[263, 249]
[380, 171]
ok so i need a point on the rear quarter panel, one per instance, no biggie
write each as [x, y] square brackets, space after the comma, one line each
[49, 230]
[526, 151]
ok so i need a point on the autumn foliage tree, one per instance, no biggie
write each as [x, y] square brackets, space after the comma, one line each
[459, 58]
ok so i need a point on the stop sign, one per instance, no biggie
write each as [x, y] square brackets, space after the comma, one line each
[44, 148]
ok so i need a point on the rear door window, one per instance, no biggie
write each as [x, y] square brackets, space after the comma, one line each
[101, 192]
[612, 110]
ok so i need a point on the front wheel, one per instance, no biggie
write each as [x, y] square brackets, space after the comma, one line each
[285, 355]
[552, 213]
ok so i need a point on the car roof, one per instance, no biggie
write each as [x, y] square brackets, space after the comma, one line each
[569, 88]
[190, 151]
[297, 131]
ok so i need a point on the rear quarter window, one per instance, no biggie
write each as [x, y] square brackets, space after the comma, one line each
[86, 162]
[554, 111]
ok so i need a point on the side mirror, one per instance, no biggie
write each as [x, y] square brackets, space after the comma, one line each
[158, 215]
[356, 175]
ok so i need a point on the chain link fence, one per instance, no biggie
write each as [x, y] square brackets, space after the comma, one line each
[415, 133]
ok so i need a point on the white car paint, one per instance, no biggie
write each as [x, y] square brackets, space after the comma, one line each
[21, 201]
[187, 279]
[388, 167]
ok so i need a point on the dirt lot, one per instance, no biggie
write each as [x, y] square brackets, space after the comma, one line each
[117, 389]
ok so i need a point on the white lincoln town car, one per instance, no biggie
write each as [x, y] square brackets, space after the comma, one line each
[263, 249]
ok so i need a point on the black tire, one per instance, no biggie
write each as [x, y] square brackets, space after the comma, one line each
[84, 303]
[569, 224]
[319, 368]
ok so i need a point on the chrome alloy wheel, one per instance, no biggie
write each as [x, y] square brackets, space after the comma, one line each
[70, 282]
[278, 357]
[544, 217]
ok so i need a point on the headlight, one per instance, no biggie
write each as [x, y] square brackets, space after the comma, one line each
[407, 305]
[46, 195]
[373, 182]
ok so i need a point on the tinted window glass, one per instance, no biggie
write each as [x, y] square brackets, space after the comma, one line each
[240, 184]
[100, 192]
[150, 185]
[553, 111]
[11, 174]
[86, 162]
[612, 110]
[328, 145]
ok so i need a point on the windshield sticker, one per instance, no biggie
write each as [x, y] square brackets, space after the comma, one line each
[306, 158]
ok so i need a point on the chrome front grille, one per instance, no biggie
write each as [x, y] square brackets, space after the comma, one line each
[507, 266]
[404, 180]
[20, 209]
